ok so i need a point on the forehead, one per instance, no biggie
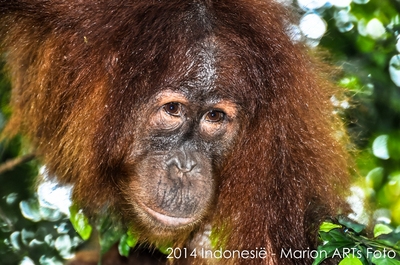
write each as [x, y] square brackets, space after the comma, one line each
[208, 72]
[194, 52]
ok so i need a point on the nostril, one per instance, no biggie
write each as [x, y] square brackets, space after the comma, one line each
[188, 166]
[183, 161]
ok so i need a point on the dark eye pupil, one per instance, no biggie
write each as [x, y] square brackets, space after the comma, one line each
[214, 116]
[172, 108]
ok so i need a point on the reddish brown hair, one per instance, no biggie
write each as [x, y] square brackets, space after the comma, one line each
[80, 69]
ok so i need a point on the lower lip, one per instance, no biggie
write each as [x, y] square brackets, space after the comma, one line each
[168, 220]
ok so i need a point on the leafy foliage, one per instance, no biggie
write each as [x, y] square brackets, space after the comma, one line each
[80, 222]
[345, 240]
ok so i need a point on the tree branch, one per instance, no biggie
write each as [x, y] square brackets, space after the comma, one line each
[12, 163]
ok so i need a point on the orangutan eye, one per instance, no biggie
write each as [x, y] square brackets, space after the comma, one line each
[214, 116]
[173, 109]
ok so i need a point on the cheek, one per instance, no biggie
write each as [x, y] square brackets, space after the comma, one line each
[160, 188]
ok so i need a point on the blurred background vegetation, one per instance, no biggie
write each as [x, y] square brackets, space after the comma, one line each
[362, 37]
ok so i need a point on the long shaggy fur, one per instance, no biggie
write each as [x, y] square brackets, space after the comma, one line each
[81, 71]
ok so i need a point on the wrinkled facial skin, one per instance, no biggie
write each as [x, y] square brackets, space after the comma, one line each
[185, 142]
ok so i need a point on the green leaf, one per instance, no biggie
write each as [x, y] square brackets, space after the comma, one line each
[325, 236]
[131, 239]
[80, 222]
[339, 237]
[321, 254]
[327, 226]
[384, 260]
[351, 224]
[363, 254]
[375, 178]
[165, 248]
[392, 240]
[350, 260]
[381, 229]
[109, 233]
[123, 247]
[109, 238]
[351, 82]
[127, 241]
